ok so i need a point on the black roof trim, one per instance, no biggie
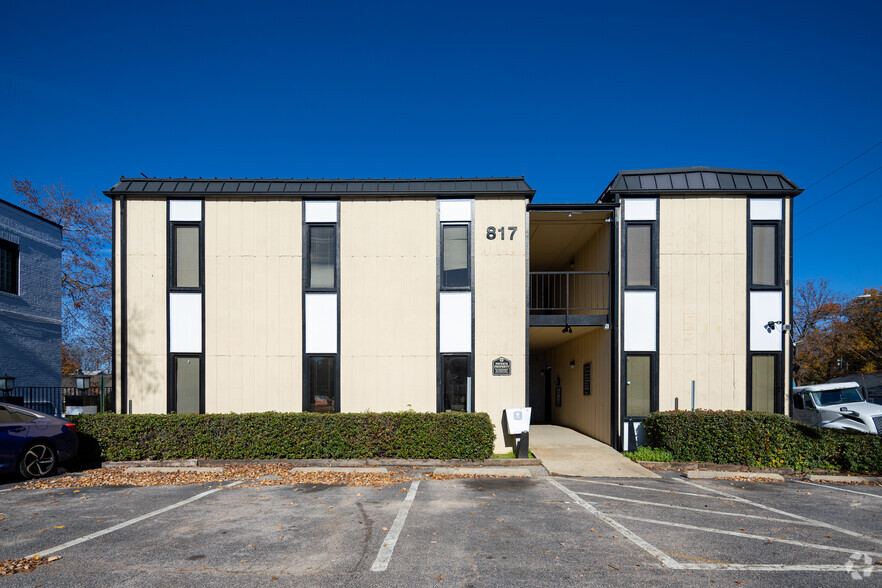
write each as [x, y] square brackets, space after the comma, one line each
[323, 188]
[699, 180]
[34, 214]
[569, 206]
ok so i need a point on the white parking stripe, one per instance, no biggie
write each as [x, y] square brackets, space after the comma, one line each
[385, 554]
[750, 536]
[701, 510]
[130, 522]
[663, 557]
[828, 487]
[781, 568]
[785, 513]
[663, 491]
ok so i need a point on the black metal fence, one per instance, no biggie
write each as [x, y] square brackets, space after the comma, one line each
[569, 292]
[59, 400]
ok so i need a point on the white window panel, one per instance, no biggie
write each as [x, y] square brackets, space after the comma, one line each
[639, 434]
[766, 209]
[639, 209]
[185, 210]
[322, 211]
[640, 321]
[455, 319]
[455, 210]
[765, 307]
[185, 322]
[321, 323]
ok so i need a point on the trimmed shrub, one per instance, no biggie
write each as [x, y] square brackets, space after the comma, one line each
[761, 440]
[645, 453]
[273, 435]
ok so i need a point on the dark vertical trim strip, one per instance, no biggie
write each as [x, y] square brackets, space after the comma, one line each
[124, 335]
[114, 207]
[527, 355]
[613, 286]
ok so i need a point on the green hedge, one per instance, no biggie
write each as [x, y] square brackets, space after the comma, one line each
[272, 435]
[762, 440]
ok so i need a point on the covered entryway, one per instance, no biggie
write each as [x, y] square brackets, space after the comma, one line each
[570, 336]
[566, 452]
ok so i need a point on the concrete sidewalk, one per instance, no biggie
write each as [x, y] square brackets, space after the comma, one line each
[566, 452]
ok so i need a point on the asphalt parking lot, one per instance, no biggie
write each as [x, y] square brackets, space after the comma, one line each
[472, 532]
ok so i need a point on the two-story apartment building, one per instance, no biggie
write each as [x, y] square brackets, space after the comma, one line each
[453, 294]
[30, 297]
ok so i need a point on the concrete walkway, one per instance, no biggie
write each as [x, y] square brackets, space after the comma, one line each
[565, 452]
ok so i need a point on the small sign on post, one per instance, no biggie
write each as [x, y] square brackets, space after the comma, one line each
[501, 366]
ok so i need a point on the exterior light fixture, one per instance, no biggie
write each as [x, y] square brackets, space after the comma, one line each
[572, 364]
[7, 383]
[83, 381]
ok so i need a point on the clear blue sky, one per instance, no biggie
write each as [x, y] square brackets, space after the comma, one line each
[566, 94]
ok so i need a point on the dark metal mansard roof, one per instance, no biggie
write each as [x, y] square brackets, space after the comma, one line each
[183, 187]
[699, 180]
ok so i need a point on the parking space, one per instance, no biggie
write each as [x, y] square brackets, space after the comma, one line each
[479, 531]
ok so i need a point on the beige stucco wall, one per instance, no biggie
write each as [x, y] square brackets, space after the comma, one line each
[587, 414]
[703, 301]
[500, 308]
[146, 305]
[388, 261]
[253, 284]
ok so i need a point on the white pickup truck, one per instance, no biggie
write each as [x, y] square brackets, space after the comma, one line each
[836, 406]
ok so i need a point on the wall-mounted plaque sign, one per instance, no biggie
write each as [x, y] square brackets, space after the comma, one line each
[501, 367]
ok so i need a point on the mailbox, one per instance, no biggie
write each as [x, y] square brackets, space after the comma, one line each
[518, 420]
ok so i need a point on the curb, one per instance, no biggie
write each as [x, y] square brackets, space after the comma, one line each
[710, 475]
[326, 463]
[846, 479]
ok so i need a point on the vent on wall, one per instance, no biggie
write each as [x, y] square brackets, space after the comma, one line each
[586, 379]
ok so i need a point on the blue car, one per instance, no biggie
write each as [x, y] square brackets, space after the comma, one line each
[34, 443]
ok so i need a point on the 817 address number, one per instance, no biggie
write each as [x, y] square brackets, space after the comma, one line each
[493, 231]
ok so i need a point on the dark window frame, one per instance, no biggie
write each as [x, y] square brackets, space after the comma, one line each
[653, 248]
[470, 375]
[14, 252]
[777, 258]
[173, 373]
[173, 258]
[778, 392]
[468, 257]
[653, 384]
[334, 248]
[307, 398]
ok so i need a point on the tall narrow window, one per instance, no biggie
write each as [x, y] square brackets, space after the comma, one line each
[639, 385]
[322, 257]
[456, 382]
[8, 267]
[187, 384]
[639, 255]
[186, 256]
[455, 256]
[322, 383]
[765, 255]
[762, 383]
